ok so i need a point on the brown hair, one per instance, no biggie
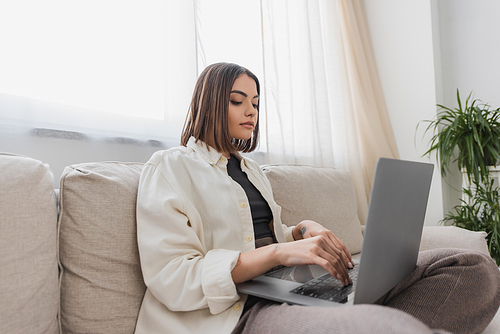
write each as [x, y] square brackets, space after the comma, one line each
[208, 112]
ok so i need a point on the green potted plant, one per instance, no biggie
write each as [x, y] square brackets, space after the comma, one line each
[474, 130]
[470, 136]
[480, 213]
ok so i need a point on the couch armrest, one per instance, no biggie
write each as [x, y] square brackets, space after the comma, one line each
[453, 237]
[29, 291]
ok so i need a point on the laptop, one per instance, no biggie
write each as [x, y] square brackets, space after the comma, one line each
[391, 243]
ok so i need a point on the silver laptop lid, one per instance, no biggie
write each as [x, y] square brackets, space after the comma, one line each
[394, 225]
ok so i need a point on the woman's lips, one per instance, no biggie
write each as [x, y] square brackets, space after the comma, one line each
[248, 125]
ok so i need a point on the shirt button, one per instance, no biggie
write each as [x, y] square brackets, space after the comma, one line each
[223, 159]
[211, 161]
[249, 238]
[243, 205]
[236, 307]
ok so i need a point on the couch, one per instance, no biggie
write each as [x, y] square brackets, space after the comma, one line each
[69, 260]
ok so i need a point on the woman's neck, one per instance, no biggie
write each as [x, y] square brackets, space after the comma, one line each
[210, 142]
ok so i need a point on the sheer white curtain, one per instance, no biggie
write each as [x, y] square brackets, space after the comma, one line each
[324, 103]
[105, 67]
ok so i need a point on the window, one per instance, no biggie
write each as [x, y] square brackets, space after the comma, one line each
[122, 68]
[109, 67]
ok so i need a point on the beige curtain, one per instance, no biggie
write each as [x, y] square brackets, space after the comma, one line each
[323, 100]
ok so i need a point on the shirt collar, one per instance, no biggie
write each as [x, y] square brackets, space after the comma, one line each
[209, 153]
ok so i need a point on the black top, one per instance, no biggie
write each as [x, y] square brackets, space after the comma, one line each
[261, 213]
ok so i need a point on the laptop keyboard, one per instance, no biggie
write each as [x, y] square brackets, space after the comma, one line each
[328, 288]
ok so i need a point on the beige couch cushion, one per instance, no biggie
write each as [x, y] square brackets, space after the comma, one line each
[101, 280]
[453, 237]
[29, 294]
[325, 195]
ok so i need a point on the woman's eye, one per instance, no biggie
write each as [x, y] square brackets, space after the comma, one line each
[236, 103]
[255, 106]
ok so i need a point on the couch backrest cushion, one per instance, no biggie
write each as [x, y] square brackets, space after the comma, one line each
[101, 279]
[325, 195]
[29, 293]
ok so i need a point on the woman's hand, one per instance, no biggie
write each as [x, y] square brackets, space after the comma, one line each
[333, 246]
[314, 245]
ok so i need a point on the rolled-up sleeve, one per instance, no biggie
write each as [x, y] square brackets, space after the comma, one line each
[217, 282]
[288, 232]
[177, 269]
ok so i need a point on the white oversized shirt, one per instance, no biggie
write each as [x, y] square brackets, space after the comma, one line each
[193, 221]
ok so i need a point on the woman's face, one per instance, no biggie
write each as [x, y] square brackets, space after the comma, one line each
[242, 114]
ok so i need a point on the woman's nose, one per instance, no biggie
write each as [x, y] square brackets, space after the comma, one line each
[250, 110]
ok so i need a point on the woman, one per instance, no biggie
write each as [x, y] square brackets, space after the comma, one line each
[206, 220]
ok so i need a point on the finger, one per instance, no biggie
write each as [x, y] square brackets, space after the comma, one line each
[334, 264]
[347, 255]
[336, 269]
[340, 252]
[339, 248]
[345, 251]
[344, 247]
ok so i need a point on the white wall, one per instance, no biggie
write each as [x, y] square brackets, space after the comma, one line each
[470, 44]
[401, 33]
[469, 36]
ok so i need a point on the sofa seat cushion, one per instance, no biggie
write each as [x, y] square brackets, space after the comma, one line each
[29, 292]
[322, 194]
[101, 279]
